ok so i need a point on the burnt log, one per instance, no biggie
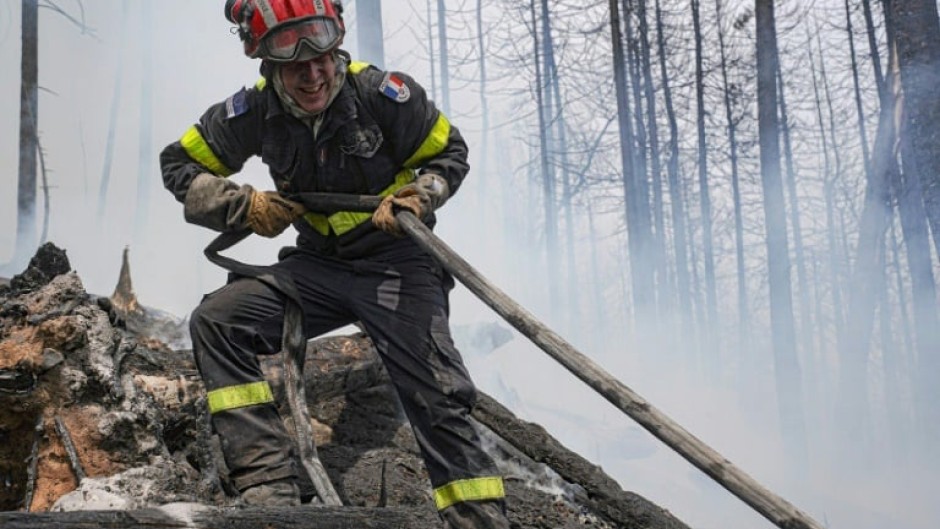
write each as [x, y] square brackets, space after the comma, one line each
[179, 516]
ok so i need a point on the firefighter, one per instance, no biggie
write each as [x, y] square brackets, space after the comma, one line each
[324, 123]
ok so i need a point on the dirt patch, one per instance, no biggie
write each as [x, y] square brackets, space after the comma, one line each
[54, 475]
[82, 423]
[21, 349]
[62, 333]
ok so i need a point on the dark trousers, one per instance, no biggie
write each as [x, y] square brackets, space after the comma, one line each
[400, 297]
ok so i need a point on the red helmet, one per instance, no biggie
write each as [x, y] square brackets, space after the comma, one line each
[279, 30]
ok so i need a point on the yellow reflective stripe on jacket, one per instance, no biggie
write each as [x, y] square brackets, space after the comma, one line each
[241, 396]
[433, 144]
[476, 489]
[356, 67]
[344, 221]
[259, 86]
[198, 149]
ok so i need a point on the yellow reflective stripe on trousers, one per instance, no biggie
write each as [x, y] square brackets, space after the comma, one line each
[433, 144]
[475, 489]
[198, 149]
[241, 396]
[344, 221]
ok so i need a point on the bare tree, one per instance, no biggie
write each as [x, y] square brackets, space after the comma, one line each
[743, 311]
[786, 366]
[915, 29]
[443, 56]
[635, 199]
[705, 203]
[29, 139]
[29, 147]
[370, 35]
[676, 200]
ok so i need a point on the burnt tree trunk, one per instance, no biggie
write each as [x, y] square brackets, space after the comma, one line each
[370, 34]
[916, 31]
[676, 199]
[635, 194]
[786, 366]
[29, 136]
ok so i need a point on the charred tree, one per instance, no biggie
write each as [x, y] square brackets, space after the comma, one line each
[484, 105]
[548, 86]
[430, 33]
[370, 36]
[806, 317]
[859, 108]
[873, 47]
[637, 212]
[914, 29]
[667, 301]
[547, 176]
[29, 135]
[853, 406]
[835, 282]
[443, 56]
[640, 139]
[743, 310]
[786, 366]
[705, 203]
[676, 201]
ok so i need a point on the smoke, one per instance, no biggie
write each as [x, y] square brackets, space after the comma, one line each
[726, 399]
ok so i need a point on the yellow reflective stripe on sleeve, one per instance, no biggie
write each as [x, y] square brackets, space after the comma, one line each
[198, 149]
[476, 489]
[344, 221]
[356, 67]
[433, 144]
[241, 396]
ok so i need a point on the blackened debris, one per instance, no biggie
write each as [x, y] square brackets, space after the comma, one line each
[49, 261]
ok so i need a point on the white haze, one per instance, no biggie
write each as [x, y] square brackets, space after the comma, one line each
[197, 61]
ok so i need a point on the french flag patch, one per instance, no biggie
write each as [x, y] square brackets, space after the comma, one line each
[394, 88]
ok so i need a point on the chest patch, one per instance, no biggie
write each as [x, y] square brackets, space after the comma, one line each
[237, 104]
[394, 88]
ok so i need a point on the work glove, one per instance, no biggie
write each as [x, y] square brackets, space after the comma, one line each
[222, 205]
[269, 213]
[427, 193]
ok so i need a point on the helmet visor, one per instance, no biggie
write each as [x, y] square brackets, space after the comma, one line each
[285, 44]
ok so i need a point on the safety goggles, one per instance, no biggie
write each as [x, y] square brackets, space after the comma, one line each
[286, 44]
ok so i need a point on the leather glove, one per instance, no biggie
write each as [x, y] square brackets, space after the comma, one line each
[269, 213]
[427, 193]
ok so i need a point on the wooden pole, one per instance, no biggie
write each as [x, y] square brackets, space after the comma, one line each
[773, 507]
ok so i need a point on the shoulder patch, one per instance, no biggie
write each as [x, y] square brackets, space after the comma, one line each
[237, 104]
[394, 88]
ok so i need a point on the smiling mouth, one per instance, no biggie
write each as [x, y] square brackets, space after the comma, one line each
[313, 90]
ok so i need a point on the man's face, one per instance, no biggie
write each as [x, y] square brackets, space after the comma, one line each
[310, 82]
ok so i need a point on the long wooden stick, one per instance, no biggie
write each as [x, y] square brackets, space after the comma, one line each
[773, 507]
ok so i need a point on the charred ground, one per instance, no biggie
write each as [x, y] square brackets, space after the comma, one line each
[104, 420]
